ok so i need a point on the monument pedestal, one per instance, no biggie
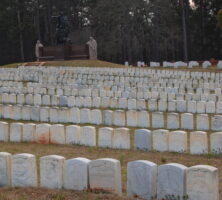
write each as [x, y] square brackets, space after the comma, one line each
[64, 52]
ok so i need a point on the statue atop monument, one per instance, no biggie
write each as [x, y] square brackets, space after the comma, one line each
[62, 29]
[37, 46]
[92, 48]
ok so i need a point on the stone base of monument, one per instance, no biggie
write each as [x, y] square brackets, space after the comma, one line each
[64, 52]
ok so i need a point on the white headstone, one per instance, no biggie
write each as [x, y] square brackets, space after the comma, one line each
[16, 130]
[26, 112]
[105, 174]
[161, 140]
[121, 138]
[57, 134]
[73, 134]
[191, 106]
[131, 116]
[201, 107]
[105, 137]
[85, 116]
[108, 117]
[51, 171]
[74, 115]
[88, 136]
[4, 132]
[216, 123]
[42, 133]
[143, 140]
[143, 119]
[119, 118]
[210, 107]
[203, 122]
[157, 120]
[141, 179]
[203, 183]
[178, 141]
[206, 64]
[76, 174]
[173, 121]
[96, 117]
[198, 142]
[24, 170]
[44, 114]
[5, 169]
[216, 143]
[181, 106]
[29, 132]
[187, 121]
[171, 181]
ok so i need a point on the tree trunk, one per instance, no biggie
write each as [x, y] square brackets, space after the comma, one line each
[185, 51]
[38, 21]
[20, 31]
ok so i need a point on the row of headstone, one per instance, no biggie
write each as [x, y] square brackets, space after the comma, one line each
[115, 103]
[127, 82]
[180, 82]
[178, 64]
[144, 178]
[56, 172]
[177, 141]
[210, 79]
[68, 72]
[169, 94]
[134, 79]
[130, 118]
[118, 138]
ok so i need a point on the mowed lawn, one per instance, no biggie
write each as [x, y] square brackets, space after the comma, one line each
[101, 63]
[124, 156]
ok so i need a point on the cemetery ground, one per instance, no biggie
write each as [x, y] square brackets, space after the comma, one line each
[74, 151]
[124, 156]
[100, 63]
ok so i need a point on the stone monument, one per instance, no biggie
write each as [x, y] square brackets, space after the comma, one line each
[64, 49]
[37, 46]
[92, 48]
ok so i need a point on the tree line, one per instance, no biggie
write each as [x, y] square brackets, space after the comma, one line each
[126, 30]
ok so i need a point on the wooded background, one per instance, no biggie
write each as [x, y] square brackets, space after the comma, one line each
[126, 30]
